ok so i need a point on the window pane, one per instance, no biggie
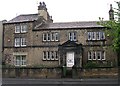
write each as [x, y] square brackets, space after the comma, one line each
[56, 37]
[98, 55]
[89, 36]
[17, 42]
[74, 36]
[23, 60]
[44, 37]
[103, 55]
[17, 29]
[23, 42]
[52, 55]
[56, 55]
[24, 28]
[44, 55]
[89, 56]
[94, 55]
[70, 36]
[17, 61]
[52, 37]
[102, 35]
[48, 37]
[48, 55]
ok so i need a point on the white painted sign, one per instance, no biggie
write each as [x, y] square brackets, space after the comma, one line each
[70, 59]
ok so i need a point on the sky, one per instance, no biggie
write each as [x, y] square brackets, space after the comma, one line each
[60, 10]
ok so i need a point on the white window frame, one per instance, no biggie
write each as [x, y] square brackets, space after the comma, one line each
[93, 34]
[44, 37]
[48, 37]
[23, 61]
[23, 28]
[44, 55]
[89, 35]
[72, 36]
[48, 55]
[17, 42]
[23, 42]
[20, 61]
[52, 55]
[56, 36]
[52, 36]
[89, 55]
[98, 35]
[17, 29]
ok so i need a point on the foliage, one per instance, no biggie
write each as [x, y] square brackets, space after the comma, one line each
[91, 64]
[114, 31]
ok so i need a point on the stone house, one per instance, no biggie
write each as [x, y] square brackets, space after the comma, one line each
[34, 40]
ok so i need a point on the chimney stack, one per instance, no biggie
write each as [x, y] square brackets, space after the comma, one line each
[111, 13]
[42, 12]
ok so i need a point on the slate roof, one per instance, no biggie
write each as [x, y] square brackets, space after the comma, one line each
[61, 25]
[24, 18]
[68, 25]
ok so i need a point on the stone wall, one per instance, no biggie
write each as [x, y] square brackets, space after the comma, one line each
[58, 73]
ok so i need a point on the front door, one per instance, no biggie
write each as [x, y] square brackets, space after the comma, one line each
[70, 59]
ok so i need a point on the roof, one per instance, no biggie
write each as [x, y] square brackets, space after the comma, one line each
[67, 25]
[24, 18]
[61, 25]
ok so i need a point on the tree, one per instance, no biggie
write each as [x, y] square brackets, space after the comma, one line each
[113, 30]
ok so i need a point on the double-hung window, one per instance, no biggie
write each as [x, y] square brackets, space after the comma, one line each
[89, 55]
[20, 42]
[20, 60]
[94, 55]
[44, 37]
[89, 36]
[56, 36]
[17, 42]
[50, 55]
[98, 54]
[23, 28]
[17, 29]
[72, 36]
[102, 35]
[23, 42]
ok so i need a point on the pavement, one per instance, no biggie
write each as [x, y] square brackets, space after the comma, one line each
[59, 82]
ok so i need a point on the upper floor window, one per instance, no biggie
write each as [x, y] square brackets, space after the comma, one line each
[54, 36]
[72, 36]
[23, 42]
[17, 42]
[95, 36]
[20, 42]
[21, 28]
[17, 29]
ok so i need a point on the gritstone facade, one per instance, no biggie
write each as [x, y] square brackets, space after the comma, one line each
[34, 40]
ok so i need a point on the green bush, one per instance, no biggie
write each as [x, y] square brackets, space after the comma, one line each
[91, 64]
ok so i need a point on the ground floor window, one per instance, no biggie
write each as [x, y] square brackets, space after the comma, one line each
[20, 60]
[96, 55]
[50, 55]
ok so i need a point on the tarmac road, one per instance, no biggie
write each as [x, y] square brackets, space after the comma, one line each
[59, 82]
